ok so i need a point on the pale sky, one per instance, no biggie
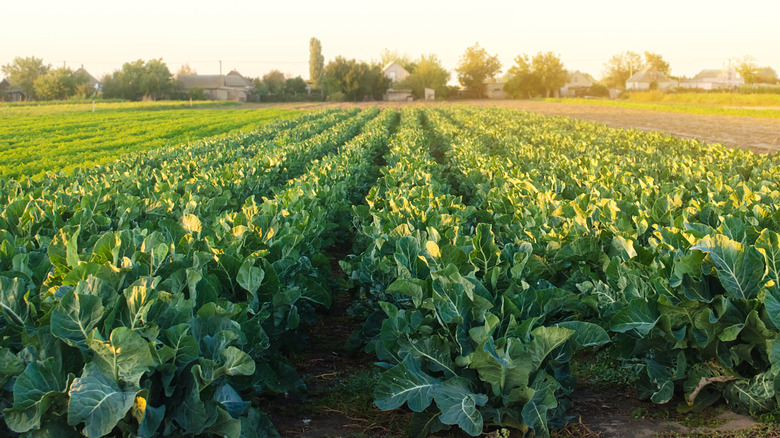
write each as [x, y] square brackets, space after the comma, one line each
[256, 37]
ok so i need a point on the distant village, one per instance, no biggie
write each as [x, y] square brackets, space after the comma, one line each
[397, 79]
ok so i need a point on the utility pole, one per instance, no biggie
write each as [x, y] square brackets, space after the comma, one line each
[220, 67]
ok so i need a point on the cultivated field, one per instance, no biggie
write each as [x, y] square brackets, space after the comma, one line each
[483, 257]
[760, 135]
[35, 139]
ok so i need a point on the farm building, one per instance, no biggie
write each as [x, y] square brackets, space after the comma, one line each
[93, 83]
[10, 92]
[495, 90]
[396, 73]
[714, 79]
[649, 79]
[577, 84]
[232, 86]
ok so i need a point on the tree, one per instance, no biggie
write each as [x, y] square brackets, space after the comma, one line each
[746, 67]
[58, 84]
[620, 67]
[156, 80]
[540, 76]
[475, 67]
[387, 56]
[274, 82]
[186, 70]
[139, 79]
[427, 73]
[351, 80]
[295, 86]
[550, 73]
[316, 62]
[766, 75]
[522, 82]
[24, 71]
[657, 62]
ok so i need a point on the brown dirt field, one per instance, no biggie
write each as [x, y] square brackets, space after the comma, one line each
[757, 134]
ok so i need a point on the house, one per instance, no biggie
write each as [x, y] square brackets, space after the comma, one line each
[577, 84]
[495, 90]
[396, 73]
[649, 79]
[232, 86]
[714, 79]
[10, 92]
[430, 94]
[93, 83]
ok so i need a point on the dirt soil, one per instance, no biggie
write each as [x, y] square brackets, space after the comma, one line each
[757, 134]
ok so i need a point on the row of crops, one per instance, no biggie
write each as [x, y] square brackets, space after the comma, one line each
[39, 138]
[157, 295]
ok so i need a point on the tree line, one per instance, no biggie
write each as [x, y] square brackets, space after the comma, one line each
[343, 79]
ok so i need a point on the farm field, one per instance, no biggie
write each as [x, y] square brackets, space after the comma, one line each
[760, 135]
[736, 109]
[35, 139]
[482, 257]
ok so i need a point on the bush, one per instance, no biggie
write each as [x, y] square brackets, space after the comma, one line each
[337, 97]
[598, 90]
[197, 93]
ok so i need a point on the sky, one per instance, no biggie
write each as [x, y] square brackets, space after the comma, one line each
[256, 37]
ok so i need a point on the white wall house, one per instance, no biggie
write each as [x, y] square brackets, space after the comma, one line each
[714, 79]
[232, 86]
[645, 78]
[396, 73]
[577, 84]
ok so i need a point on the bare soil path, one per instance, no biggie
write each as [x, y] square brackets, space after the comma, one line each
[757, 134]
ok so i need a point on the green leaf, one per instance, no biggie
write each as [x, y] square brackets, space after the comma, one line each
[415, 288]
[740, 269]
[184, 345]
[126, 355]
[152, 420]
[13, 305]
[505, 370]
[534, 412]
[250, 277]
[547, 339]
[315, 293]
[453, 255]
[74, 318]
[224, 425]
[434, 350]
[35, 389]
[639, 316]
[237, 363]
[405, 383]
[230, 400]
[486, 253]
[586, 334]
[754, 396]
[772, 303]
[408, 258]
[768, 243]
[10, 365]
[97, 400]
[72, 249]
[459, 405]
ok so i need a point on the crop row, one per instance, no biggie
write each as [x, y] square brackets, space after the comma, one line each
[151, 325]
[572, 235]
